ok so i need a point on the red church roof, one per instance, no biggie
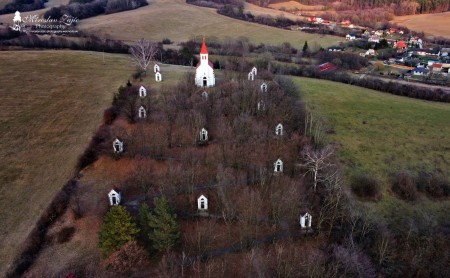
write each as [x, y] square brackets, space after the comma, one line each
[204, 50]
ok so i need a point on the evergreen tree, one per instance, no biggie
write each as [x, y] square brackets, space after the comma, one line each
[305, 47]
[145, 229]
[117, 229]
[165, 232]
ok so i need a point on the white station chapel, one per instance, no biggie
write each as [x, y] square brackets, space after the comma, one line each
[204, 74]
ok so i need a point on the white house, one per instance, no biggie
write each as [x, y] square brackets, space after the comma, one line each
[156, 68]
[264, 87]
[369, 52]
[251, 76]
[142, 91]
[142, 113]
[305, 221]
[204, 74]
[158, 76]
[279, 129]
[117, 146]
[350, 37]
[203, 135]
[278, 166]
[114, 197]
[374, 39]
[420, 71]
[202, 203]
[254, 71]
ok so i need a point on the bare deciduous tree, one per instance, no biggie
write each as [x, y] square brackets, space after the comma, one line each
[316, 161]
[143, 52]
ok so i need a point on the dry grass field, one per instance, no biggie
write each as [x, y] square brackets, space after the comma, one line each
[291, 5]
[431, 24]
[52, 102]
[179, 21]
[7, 18]
[4, 2]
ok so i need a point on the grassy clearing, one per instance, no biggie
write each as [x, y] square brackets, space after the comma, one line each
[179, 21]
[52, 102]
[399, 133]
[431, 24]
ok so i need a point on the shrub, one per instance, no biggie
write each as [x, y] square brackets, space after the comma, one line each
[166, 41]
[366, 186]
[65, 234]
[434, 185]
[404, 186]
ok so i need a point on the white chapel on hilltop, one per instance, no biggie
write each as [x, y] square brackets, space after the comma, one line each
[204, 74]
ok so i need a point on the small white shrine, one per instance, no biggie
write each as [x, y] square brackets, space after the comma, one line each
[156, 68]
[279, 130]
[142, 113]
[142, 91]
[158, 76]
[202, 203]
[251, 76]
[203, 135]
[205, 95]
[278, 166]
[305, 221]
[261, 105]
[254, 71]
[264, 87]
[117, 146]
[114, 197]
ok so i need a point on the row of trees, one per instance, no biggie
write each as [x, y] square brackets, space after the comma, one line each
[23, 6]
[87, 9]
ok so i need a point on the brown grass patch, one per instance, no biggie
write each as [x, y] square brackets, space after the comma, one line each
[52, 101]
[431, 24]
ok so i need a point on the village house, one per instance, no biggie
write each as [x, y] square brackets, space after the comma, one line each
[401, 45]
[420, 71]
[369, 52]
[335, 48]
[444, 52]
[350, 37]
[326, 67]
[375, 39]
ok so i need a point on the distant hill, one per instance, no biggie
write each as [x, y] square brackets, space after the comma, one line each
[398, 7]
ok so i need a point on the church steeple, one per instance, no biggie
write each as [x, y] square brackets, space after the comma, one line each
[204, 53]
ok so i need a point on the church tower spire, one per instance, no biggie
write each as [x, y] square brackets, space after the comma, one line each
[204, 53]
